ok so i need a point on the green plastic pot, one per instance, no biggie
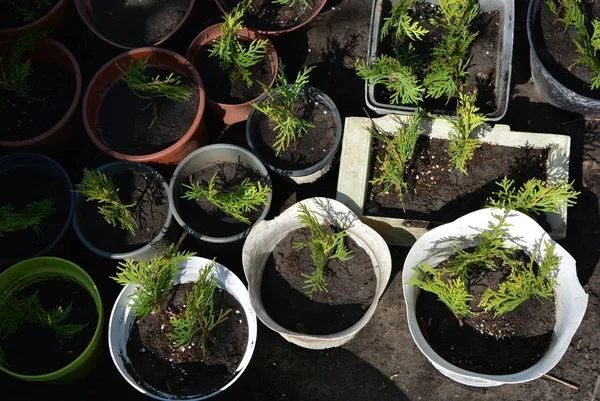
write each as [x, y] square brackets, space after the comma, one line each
[33, 270]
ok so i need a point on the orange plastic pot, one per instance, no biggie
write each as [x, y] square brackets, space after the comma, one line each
[226, 9]
[230, 113]
[56, 20]
[110, 74]
[85, 8]
[52, 52]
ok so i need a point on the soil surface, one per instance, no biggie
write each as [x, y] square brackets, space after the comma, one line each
[21, 187]
[224, 86]
[126, 120]
[437, 192]
[34, 349]
[51, 93]
[310, 148]
[150, 214]
[266, 15]
[11, 18]
[483, 58]
[350, 287]
[559, 53]
[137, 23]
[190, 370]
[203, 216]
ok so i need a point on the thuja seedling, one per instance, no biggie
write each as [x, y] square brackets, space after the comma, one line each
[17, 71]
[323, 248]
[31, 216]
[29, 10]
[280, 108]
[146, 87]
[233, 55]
[290, 3]
[534, 197]
[236, 202]
[402, 22]
[98, 187]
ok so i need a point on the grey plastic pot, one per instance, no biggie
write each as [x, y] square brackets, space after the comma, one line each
[155, 247]
[202, 157]
[304, 175]
[10, 164]
[549, 87]
[503, 69]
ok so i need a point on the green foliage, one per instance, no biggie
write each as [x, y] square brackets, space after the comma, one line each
[462, 145]
[17, 71]
[96, 186]
[200, 317]
[29, 10]
[290, 3]
[401, 20]
[31, 216]
[154, 279]
[280, 108]
[323, 248]
[398, 151]
[235, 202]
[523, 283]
[234, 56]
[398, 76]
[14, 311]
[534, 197]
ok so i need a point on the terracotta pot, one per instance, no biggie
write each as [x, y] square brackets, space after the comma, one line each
[49, 51]
[226, 9]
[110, 74]
[230, 113]
[85, 8]
[55, 20]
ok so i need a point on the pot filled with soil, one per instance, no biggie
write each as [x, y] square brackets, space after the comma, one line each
[192, 341]
[122, 212]
[40, 90]
[295, 130]
[235, 63]
[51, 324]
[18, 17]
[315, 273]
[491, 298]
[219, 192]
[447, 49]
[36, 206]
[564, 66]
[146, 106]
[132, 24]
[276, 18]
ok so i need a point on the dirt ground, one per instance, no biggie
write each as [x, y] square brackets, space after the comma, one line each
[381, 362]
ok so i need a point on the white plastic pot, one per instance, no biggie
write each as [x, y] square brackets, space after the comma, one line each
[264, 237]
[438, 244]
[122, 319]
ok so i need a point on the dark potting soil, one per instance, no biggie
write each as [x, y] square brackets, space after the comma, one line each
[559, 53]
[137, 23]
[483, 55]
[350, 287]
[309, 149]
[266, 15]
[125, 118]
[52, 89]
[11, 18]
[34, 349]
[203, 216]
[224, 87]
[150, 214]
[188, 370]
[25, 185]
[437, 192]
[506, 344]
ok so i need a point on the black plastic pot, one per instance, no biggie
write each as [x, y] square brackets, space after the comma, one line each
[304, 175]
[553, 91]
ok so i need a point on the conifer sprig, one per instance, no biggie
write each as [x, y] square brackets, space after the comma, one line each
[280, 108]
[290, 3]
[29, 10]
[401, 20]
[17, 71]
[31, 216]
[236, 202]
[98, 187]
[323, 248]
